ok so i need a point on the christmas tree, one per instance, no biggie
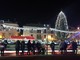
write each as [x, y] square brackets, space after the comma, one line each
[61, 24]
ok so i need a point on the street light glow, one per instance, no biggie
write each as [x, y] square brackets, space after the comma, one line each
[78, 28]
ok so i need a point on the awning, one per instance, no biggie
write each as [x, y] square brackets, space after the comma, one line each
[23, 37]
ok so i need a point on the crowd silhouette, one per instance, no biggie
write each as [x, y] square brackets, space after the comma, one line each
[37, 48]
[40, 48]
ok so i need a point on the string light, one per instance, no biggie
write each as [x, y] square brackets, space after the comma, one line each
[56, 30]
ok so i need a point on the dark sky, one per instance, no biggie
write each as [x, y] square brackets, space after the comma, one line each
[44, 12]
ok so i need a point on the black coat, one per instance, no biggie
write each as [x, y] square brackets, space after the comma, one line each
[52, 45]
[29, 46]
[33, 46]
[63, 46]
[17, 45]
[74, 45]
[38, 45]
[22, 45]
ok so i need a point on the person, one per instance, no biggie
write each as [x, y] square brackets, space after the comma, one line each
[52, 45]
[22, 47]
[63, 47]
[74, 47]
[2, 48]
[17, 47]
[33, 47]
[43, 47]
[29, 47]
[38, 46]
[5, 44]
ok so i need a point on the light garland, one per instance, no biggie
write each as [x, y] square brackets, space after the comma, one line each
[56, 30]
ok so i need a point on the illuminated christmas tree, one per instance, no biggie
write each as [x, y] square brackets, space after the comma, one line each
[61, 24]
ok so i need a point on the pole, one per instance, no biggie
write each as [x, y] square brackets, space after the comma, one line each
[47, 28]
[47, 37]
[47, 45]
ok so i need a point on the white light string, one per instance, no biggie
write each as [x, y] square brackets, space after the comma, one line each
[20, 28]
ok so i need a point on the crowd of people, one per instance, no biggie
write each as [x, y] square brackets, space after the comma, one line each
[31, 47]
[72, 46]
[40, 48]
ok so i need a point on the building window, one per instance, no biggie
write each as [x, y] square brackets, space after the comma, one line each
[31, 31]
[38, 36]
[44, 36]
[52, 31]
[31, 34]
[38, 31]
[45, 31]
[18, 30]
[51, 36]
[9, 33]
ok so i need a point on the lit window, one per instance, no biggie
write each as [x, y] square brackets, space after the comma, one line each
[38, 31]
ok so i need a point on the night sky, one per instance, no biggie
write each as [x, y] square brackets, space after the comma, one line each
[42, 12]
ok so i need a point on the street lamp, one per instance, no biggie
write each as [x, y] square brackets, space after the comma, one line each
[78, 28]
[47, 31]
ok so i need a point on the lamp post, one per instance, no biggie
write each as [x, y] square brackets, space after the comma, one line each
[47, 31]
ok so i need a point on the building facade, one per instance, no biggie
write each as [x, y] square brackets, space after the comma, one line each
[39, 34]
[7, 32]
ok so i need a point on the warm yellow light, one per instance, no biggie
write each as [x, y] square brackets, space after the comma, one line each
[49, 36]
[0, 36]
